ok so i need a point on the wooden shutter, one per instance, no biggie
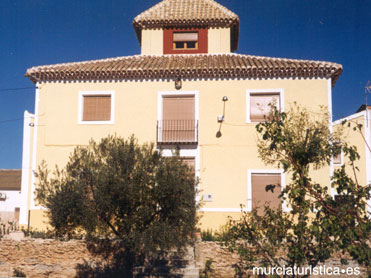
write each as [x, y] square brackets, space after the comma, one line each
[260, 106]
[97, 108]
[190, 162]
[185, 37]
[178, 115]
[260, 197]
[179, 108]
[337, 159]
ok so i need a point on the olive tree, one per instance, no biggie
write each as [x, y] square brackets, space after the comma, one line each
[128, 200]
[317, 225]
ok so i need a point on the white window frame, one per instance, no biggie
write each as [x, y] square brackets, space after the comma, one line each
[279, 91]
[161, 95]
[341, 159]
[264, 171]
[81, 107]
[176, 93]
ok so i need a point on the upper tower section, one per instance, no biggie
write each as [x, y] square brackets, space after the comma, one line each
[187, 26]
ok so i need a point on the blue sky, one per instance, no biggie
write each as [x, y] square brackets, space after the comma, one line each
[41, 32]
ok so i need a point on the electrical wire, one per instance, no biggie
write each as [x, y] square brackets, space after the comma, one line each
[17, 89]
[12, 120]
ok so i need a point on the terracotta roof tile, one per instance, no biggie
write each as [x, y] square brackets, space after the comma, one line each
[10, 179]
[186, 12]
[187, 66]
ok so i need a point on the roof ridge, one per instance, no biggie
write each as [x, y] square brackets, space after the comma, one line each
[149, 9]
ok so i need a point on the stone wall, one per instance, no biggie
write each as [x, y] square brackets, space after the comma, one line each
[51, 258]
[42, 258]
[223, 262]
[58, 259]
[222, 259]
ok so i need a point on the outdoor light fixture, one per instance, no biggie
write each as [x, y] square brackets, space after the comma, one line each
[3, 197]
[221, 117]
[178, 83]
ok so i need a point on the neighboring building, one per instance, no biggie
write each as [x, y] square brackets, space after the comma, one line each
[10, 193]
[174, 94]
[360, 139]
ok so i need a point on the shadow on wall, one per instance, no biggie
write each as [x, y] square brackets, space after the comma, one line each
[116, 263]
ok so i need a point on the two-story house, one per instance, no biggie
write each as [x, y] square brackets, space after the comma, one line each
[186, 91]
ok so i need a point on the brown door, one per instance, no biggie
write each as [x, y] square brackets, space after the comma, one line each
[178, 119]
[16, 214]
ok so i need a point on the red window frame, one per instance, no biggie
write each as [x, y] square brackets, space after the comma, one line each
[202, 41]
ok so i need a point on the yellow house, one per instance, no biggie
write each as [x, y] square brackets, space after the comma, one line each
[359, 138]
[187, 90]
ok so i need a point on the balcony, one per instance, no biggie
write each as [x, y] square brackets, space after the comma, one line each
[177, 132]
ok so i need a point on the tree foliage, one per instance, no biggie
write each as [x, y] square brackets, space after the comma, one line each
[318, 225]
[127, 199]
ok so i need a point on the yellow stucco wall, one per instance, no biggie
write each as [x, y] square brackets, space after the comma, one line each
[30, 172]
[219, 40]
[39, 220]
[152, 42]
[224, 161]
[355, 138]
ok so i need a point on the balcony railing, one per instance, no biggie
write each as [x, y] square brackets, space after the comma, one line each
[177, 132]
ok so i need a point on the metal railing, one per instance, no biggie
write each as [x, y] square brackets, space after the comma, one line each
[177, 131]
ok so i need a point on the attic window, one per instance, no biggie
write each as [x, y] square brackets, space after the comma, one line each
[185, 40]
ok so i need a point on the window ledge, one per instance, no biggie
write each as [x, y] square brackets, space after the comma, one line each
[95, 122]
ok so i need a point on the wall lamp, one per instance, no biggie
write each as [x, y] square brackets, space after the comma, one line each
[221, 117]
[178, 83]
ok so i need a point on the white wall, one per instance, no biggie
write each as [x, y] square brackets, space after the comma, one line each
[13, 200]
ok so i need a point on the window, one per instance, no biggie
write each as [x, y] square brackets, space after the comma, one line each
[258, 197]
[178, 124]
[261, 197]
[260, 102]
[338, 159]
[96, 107]
[190, 162]
[185, 40]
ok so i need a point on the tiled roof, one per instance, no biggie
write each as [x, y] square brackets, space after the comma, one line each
[149, 67]
[186, 12]
[10, 179]
[191, 13]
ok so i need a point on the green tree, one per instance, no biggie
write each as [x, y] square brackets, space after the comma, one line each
[128, 200]
[317, 225]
